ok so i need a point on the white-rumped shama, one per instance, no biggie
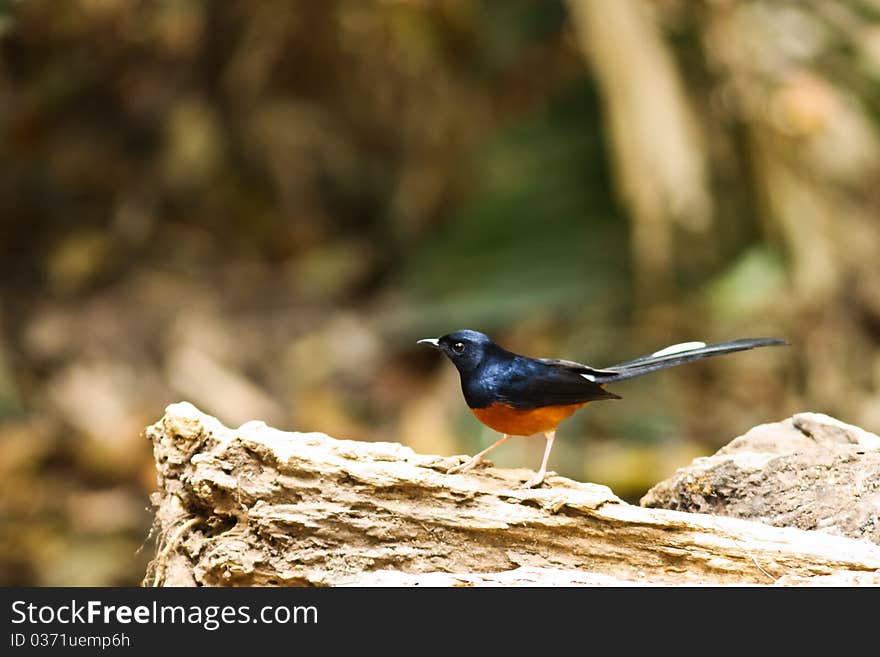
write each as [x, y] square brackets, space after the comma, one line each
[520, 396]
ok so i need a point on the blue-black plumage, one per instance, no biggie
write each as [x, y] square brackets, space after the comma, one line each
[519, 395]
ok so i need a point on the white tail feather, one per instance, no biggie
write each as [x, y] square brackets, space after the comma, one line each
[679, 348]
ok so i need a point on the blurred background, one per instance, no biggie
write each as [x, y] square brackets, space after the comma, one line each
[260, 207]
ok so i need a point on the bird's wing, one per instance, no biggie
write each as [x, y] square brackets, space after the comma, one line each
[553, 383]
[592, 373]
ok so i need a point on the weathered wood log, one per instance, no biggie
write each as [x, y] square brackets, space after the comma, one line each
[259, 506]
[810, 471]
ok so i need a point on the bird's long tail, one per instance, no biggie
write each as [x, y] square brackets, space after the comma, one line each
[676, 355]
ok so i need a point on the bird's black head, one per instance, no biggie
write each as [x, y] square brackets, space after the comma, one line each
[466, 349]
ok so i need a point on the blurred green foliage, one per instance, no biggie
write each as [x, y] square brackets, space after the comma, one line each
[516, 246]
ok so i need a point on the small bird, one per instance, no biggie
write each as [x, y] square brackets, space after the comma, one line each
[520, 396]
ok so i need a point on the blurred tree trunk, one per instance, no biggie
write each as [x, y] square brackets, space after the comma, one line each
[658, 155]
[780, 120]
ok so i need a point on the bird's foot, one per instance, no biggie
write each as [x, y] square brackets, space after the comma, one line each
[536, 481]
[470, 464]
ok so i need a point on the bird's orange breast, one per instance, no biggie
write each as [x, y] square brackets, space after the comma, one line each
[524, 421]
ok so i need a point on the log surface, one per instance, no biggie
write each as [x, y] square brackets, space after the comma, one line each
[259, 506]
[810, 471]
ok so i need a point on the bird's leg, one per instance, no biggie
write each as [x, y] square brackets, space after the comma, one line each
[538, 479]
[477, 459]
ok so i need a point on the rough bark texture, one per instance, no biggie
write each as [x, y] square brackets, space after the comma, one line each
[258, 506]
[810, 471]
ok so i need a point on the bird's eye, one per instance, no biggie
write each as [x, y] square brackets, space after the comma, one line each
[458, 348]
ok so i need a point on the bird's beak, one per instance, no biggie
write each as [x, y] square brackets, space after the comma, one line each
[431, 342]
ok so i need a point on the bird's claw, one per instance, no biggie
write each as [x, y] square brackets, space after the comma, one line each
[470, 464]
[536, 481]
